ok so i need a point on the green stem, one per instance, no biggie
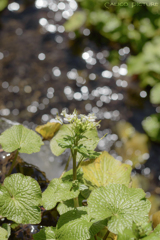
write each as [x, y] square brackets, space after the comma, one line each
[74, 166]
[79, 162]
[106, 235]
[66, 167]
[74, 154]
[95, 237]
[13, 164]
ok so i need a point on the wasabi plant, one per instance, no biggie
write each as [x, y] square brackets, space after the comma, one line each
[95, 199]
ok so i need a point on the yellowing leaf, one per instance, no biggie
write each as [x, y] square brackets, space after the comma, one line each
[48, 130]
[156, 219]
[140, 181]
[112, 236]
[105, 170]
[134, 144]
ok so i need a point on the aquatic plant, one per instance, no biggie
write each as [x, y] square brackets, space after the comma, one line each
[95, 199]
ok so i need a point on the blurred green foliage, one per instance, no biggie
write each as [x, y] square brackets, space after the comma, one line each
[135, 23]
[3, 4]
[152, 127]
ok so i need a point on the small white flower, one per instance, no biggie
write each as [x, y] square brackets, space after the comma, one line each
[91, 117]
[64, 113]
[58, 119]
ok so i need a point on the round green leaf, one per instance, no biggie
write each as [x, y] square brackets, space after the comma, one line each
[121, 204]
[152, 127]
[3, 234]
[105, 170]
[58, 191]
[22, 138]
[76, 225]
[20, 198]
[155, 94]
[47, 233]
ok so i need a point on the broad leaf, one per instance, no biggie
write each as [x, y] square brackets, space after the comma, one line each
[152, 127]
[3, 234]
[68, 205]
[155, 235]
[58, 191]
[152, 236]
[20, 198]
[3, 4]
[22, 138]
[126, 235]
[155, 94]
[157, 230]
[47, 233]
[105, 170]
[75, 22]
[64, 130]
[121, 204]
[76, 225]
[48, 130]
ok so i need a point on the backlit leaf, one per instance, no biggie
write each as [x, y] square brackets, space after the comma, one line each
[75, 21]
[152, 127]
[58, 191]
[105, 170]
[120, 204]
[20, 198]
[63, 131]
[155, 94]
[48, 130]
[22, 138]
[134, 144]
[47, 233]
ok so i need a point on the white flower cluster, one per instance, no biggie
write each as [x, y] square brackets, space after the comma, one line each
[69, 117]
[81, 121]
[90, 118]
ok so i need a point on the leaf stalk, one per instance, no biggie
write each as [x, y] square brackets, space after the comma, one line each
[13, 163]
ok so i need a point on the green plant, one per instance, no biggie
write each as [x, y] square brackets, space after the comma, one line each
[114, 210]
[3, 4]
